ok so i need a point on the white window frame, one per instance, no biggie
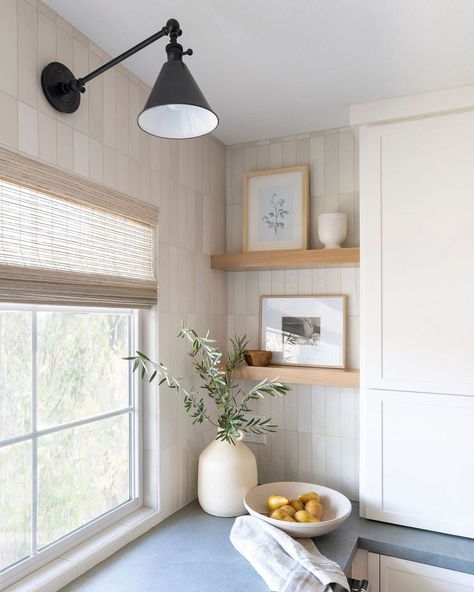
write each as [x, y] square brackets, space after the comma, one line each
[48, 553]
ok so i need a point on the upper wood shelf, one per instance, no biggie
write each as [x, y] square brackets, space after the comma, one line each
[300, 375]
[295, 259]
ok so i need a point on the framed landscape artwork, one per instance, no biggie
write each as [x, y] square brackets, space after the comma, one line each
[304, 330]
[275, 209]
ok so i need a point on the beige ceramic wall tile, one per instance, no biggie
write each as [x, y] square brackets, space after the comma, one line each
[134, 130]
[290, 411]
[317, 165]
[346, 205]
[318, 459]
[122, 172]
[80, 51]
[8, 121]
[304, 457]
[64, 47]
[145, 181]
[236, 228]
[333, 462]
[237, 171]
[95, 91]
[349, 460]
[263, 156]
[81, 153]
[65, 146]
[250, 158]
[275, 155]
[155, 153]
[318, 409]
[27, 53]
[333, 411]
[331, 163]
[8, 47]
[290, 455]
[171, 154]
[110, 108]
[47, 51]
[133, 178]
[291, 282]
[110, 166]
[319, 281]
[47, 138]
[303, 151]
[278, 282]
[96, 161]
[346, 161]
[264, 283]
[27, 129]
[122, 121]
[289, 153]
[349, 400]
[305, 282]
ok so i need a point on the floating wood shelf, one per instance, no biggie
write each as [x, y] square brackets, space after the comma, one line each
[301, 375]
[295, 259]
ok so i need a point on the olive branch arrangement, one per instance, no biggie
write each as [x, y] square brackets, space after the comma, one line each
[231, 402]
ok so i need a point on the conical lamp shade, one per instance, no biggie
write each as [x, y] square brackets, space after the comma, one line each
[176, 107]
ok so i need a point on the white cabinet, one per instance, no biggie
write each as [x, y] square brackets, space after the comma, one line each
[399, 575]
[417, 250]
[417, 314]
[417, 460]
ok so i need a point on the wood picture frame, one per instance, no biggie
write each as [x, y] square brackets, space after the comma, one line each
[291, 179]
[304, 359]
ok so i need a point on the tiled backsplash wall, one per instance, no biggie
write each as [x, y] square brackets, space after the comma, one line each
[186, 179]
[318, 436]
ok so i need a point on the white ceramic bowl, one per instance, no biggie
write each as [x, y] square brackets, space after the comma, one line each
[337, 507]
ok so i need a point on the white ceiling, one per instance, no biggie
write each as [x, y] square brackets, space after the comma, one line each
[279, 67]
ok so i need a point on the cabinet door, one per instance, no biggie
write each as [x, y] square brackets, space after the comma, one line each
[399, 575]
[417, 248]
[417, 461]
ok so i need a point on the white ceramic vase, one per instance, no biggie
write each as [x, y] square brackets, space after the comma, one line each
[332, 229]
[226, 474]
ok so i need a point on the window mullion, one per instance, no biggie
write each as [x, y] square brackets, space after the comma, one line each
[34, 440]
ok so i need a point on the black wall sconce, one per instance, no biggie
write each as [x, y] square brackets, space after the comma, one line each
[176, 107]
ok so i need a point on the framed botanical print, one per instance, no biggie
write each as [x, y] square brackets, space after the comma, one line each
[275, 209]
[304, 330]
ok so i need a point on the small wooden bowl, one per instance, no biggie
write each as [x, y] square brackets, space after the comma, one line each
[257, 357]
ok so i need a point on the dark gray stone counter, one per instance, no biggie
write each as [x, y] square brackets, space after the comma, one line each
[191, 552]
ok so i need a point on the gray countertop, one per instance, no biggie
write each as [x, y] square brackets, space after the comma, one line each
[191, 551]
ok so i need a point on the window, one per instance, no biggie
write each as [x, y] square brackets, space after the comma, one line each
[68, 425]
[77, 261]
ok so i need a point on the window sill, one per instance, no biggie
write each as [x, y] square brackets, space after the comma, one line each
[69, 566]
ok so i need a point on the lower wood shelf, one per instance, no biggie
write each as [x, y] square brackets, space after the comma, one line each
[301, 375]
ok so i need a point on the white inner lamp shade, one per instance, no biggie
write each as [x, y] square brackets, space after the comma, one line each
[177, 121]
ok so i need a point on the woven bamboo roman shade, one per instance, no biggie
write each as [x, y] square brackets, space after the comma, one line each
[65, 240]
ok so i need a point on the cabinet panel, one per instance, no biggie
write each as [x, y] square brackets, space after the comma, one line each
[417, 464]
[398, 575]
[417, 233]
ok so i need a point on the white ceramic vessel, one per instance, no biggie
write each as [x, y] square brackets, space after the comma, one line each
[226, 473]
[337, 508]
[332, 229]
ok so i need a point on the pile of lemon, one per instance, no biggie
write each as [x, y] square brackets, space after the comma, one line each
[306, 508]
